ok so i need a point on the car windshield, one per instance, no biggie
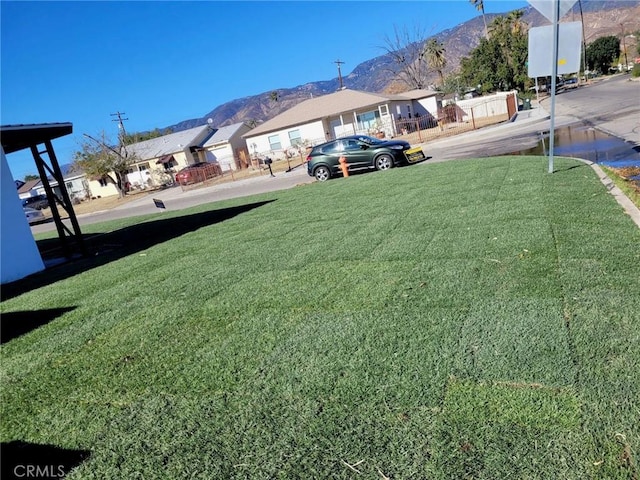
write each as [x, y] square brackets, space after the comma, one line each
[370, 140]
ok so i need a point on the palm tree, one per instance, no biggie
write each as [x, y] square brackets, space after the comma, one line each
[515, 22]
[500, 26]
[434, 51]
[479, 4]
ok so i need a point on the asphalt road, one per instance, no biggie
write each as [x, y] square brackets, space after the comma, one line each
[611, 104]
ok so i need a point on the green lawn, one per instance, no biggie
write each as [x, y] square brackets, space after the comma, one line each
[468, 319]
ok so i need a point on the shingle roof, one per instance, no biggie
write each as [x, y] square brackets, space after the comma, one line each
[342, 101]
[316, 108]
[29, 185]
[168, 144]
[223, 134]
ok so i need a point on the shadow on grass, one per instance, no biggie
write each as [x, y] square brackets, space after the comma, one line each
[15, 324]
[29, 460]
[107, 247]
[566, 169]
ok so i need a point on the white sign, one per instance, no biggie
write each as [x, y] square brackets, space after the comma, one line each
[541, 51]
[546, 7]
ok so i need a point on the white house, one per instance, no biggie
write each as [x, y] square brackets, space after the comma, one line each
[76, 183]
[30, 188]
[227, 147]
[345, 112]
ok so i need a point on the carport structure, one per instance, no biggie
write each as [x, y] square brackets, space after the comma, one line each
[37, 138]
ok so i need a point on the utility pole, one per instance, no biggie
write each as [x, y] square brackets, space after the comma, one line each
[584, 45]
[338, 62]
[121, 131]
[624, 46]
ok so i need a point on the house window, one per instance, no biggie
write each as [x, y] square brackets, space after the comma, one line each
[143, 167]
[274, 142]
[103, 182]
[169, 165]
[368, 120]
[295, 138]
[69, 186]
[384, 110]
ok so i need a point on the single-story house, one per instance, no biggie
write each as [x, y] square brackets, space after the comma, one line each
[158, 159]
[227, 147]
[75, 181]
[30, 189]
[345, 112]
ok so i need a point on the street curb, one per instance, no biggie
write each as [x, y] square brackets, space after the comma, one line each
[629, 207]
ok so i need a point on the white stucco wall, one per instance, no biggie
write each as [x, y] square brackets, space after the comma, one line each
[19, 255]
[98, 190]
[312, 132]
[487, 105]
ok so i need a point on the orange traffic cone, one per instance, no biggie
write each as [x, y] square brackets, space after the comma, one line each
[343, 166]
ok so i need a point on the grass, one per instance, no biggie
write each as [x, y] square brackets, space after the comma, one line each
[623, 179]
[468, 319]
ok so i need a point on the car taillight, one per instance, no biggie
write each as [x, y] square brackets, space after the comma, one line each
[308, 158]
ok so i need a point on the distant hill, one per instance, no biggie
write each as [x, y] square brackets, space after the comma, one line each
[600, 18]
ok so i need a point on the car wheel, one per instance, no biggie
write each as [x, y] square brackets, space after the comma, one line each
[322, 173]
[384, 162]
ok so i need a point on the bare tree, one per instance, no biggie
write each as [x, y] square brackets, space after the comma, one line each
[406, 49]
[98, 160]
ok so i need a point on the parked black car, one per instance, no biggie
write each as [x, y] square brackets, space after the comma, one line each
[37, 202]
[360, 152]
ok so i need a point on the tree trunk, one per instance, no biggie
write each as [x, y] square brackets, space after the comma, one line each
[117, 182]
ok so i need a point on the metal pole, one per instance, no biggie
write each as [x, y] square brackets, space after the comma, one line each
[554, 74]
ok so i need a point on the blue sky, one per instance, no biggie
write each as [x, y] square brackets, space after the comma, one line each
[162, 62]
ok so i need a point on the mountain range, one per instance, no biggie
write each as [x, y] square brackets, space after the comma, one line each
[600, 18]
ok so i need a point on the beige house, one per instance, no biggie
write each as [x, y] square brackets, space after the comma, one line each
[158, 159]
[345, 112]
